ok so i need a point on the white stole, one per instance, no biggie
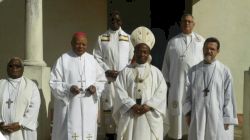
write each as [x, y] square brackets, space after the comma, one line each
[22, 102]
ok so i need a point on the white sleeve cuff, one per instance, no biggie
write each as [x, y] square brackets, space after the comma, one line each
[228, 120]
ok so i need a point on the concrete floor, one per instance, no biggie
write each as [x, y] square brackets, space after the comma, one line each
[238, 133]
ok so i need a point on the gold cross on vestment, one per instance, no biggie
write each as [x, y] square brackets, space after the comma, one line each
[9, 102]
[74, 136]
[89, 137]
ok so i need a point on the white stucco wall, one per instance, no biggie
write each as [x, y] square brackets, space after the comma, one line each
[61, 18]
[229, 21]
[11, 31]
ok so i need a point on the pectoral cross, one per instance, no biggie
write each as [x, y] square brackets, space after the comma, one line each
[9, 102]
[206, 90]
[81, 81]
[182, 56]
[75, 137]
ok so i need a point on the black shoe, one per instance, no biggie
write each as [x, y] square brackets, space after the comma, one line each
[110, 136]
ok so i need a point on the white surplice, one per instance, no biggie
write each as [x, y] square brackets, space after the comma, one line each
[209, 112]
[24, 108]
[76, 116]
[148, 126]
[182, 52]
[113, 51]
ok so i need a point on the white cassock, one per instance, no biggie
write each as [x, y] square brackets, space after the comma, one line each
[152, 91]
[113, 51]
[182, 52]
[211, 110]
[75, 117]
[2, 137]
[24, 105]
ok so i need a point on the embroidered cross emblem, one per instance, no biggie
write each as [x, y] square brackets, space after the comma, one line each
[9, 102]
[89, 137]
[74, 136]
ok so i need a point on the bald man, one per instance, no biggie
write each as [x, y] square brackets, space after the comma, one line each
[76, 82]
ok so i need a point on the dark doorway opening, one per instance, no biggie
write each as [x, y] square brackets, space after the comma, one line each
[165, 17]
[161, 16]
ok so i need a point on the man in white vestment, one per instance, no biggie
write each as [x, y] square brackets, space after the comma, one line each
[140, 106]
[182, 52]
[19, 104]
[113, 52]
[76, 82]
[209, 104]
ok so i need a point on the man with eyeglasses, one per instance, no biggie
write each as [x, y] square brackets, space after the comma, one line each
[19, 104]
[183, 51]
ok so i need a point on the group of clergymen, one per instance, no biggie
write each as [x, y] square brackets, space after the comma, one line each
[192, 96]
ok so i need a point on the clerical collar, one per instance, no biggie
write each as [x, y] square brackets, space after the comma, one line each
[15, 80]
[207, 64]
[75, 55]
[113, 32]
[81, 56]
[191, 34]
[140, 65]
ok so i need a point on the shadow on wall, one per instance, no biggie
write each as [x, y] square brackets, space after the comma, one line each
[160, 46]
[44, 119]
[195, 1]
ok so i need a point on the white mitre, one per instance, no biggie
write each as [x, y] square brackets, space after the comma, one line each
[143, 35]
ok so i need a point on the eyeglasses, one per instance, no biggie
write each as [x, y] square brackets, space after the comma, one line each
[14, 65]
[187, 21]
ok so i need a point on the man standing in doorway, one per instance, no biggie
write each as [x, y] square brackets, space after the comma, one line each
[113, 52]
[182, 52]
